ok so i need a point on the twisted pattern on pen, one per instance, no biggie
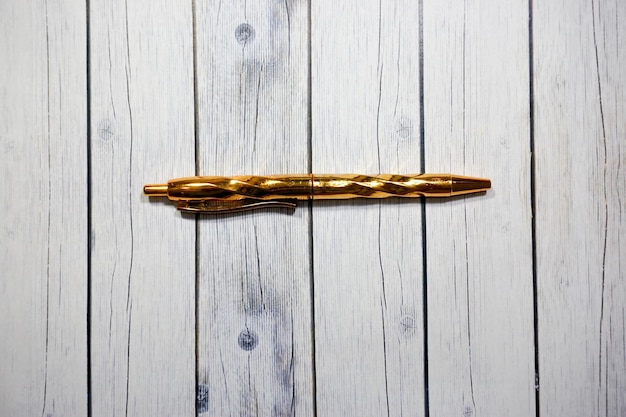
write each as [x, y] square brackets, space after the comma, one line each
[241, 187]
[259, 187]
[379, 186]
[312, 186]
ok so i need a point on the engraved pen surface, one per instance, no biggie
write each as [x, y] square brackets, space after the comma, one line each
[332, 186]
[314, 186]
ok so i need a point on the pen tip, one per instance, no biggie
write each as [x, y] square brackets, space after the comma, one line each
[469, 185]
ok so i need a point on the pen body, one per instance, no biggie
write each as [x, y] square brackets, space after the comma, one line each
[317, 187]
[240, 187]
[338, 187]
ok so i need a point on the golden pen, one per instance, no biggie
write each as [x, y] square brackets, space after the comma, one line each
[246, 192]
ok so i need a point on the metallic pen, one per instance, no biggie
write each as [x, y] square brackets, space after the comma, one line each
[246, 192]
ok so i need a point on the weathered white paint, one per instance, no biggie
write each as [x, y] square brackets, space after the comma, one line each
[254, 302]
[367, 255]
[253, 288]
[143, 253]
[480, 294]
[580, 139]
[43, 221]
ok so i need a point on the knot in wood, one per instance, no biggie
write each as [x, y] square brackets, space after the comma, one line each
[247, 339]
[244, 34]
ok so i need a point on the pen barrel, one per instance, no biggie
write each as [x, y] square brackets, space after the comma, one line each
[273, 187]
[334, 187]
[322, 186]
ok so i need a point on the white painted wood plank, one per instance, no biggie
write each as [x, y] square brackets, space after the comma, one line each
[367, 255]
[480, 298]
[580, 135]
[254, 332]
[143, 266]
[43, 226]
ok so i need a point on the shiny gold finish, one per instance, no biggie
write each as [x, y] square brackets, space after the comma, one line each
[230, 194]
[231, 206]
[156, 190]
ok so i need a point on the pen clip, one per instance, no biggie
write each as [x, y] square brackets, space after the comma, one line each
[231, 206]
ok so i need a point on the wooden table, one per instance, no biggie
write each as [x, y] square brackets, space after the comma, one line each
[507, 304]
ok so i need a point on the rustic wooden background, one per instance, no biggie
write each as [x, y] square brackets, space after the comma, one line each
[508, 304]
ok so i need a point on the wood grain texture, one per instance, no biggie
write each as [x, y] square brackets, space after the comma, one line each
[367, 255]
[142, 263]
[580, 132]
[43, 226]
[480, 294]
[257, 350]
[254, 303]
